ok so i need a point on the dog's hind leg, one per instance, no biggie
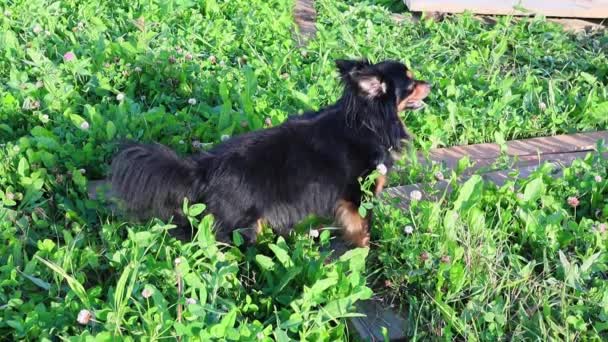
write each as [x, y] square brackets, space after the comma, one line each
[355, 228]
[251, 233]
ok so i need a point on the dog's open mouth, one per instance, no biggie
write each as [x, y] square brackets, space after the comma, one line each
[414, 104]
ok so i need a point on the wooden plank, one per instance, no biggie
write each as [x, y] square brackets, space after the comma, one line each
[435, 192]
[486, 154]
[304, 15]
[558, 161]
[378, 315]
[579, 25]
[555, 8]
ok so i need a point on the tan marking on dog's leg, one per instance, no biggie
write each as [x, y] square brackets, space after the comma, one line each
[355, 228]
[254, 231]
[259, 226]
[380, 183]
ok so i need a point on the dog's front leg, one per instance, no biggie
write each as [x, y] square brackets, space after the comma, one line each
[355, 227]
[383, 162]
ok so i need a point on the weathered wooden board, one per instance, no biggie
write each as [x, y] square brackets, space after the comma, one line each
[438, 189]
[377, 315]
[552, 8]
[533, 150]
[579, 25]
[304, 15]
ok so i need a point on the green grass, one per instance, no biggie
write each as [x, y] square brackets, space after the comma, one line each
[186, 73]
[516, 262]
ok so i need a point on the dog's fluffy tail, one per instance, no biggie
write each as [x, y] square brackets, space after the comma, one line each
[152, 181]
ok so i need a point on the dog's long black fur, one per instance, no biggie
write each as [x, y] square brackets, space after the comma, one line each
[307, 165]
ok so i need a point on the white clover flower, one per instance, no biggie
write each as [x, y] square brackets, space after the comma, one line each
[177, 261]
[84, 125]
[382, 169]
[313, 233]
[573, 201]
[84, 316]
[37, 29]
[408, 230]
[120, 97]
[190, 301]
[146, 293]
[416, 195]
[224, 137]
[597, 178]
[192, 101]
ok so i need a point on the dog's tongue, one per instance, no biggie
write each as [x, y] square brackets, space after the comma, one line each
[416, 104]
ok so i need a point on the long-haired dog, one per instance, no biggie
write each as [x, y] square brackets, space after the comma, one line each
[278, 176]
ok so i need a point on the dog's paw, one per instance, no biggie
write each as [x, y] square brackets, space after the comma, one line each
[364, 241]
[361, 239]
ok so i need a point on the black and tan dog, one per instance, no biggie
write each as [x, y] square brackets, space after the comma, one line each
[280, 175]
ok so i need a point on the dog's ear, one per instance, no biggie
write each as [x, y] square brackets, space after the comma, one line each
[346, 67]
[369, 83]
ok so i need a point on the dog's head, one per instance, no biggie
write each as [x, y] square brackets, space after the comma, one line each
[378, 92]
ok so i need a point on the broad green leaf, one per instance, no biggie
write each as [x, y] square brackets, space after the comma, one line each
[469, 194]
[264, 262]
[356, 258]
[281, 336]
[110, 130]
[23, 167]
[282, 255]
[37, 281]
[196, 209]
[588, 77]
[589, 262]
[534, 190]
